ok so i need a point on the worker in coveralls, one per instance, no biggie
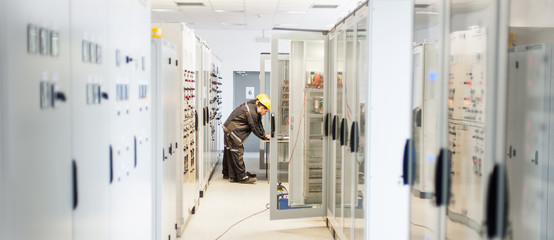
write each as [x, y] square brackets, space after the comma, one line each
[245, 119]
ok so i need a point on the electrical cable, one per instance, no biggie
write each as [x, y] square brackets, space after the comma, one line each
[299, 124]
[266, 208]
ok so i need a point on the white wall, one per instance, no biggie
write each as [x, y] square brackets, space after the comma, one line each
[239, 51]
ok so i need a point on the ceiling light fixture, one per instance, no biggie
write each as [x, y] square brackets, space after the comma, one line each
[165, 10]
[190, 4]
[228, 11]
[325, 6]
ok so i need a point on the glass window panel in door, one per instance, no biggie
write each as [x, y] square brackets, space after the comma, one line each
[331, 85]
[358, 129]
[473, 113]
[339, 114]
[350, 104]
[428, 118]
[299, 156]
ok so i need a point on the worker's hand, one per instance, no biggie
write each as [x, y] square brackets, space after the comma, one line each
[268, 136]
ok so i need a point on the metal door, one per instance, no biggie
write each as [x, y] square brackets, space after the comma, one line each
[38, 172]
[91, 118]
[297, 168]
[429, 129]
[476, 119]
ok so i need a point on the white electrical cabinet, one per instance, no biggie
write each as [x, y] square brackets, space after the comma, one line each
[318, 158]
[166, 154]
[208, 103]
[187, 179]
[90, 107]
[130, 120]
[76, 165]
[425, 101]
[528, 142]
[427, 140]
[37, 168]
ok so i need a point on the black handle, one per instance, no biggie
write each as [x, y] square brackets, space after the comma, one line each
[195, 120]
[135, 151]
[496, 204]
[170, 149]
[75, 186]
[111, 164]
[105, 95]
[334, 127]
[60, 96]
[343, 132]
[417, 116]
[326, 125]
[408, 163]
[272, 125]
[354, 137]
[205, 120]
[442, 178]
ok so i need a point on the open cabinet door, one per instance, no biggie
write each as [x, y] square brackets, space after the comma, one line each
[297, 167]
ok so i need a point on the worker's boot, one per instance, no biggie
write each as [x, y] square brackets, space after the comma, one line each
[248, 180]
[252, 175]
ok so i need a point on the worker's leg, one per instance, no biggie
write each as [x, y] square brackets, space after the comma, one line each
[225, 164]
[237, 162]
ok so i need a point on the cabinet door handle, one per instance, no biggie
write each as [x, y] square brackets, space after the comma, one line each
[60, 96]
[326, 124]
[408, 163]
[334, 127]
[111, 164]
[496, 228]
[442, 178]
[272, 125]
[343, 132]
[204, 119]
[418, 116]
[354, 137]
[195, 120]
[75, 186]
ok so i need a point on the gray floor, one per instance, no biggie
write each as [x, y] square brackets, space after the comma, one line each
[226, 203]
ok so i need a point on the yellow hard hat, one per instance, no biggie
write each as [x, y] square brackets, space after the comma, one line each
[264, 99]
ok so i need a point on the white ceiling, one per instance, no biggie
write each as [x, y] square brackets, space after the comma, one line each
[253, 14]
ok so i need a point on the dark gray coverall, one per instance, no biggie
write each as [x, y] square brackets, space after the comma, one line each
[242, 121]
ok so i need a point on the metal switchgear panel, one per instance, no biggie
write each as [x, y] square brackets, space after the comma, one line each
[37, 172]
[529, 139]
